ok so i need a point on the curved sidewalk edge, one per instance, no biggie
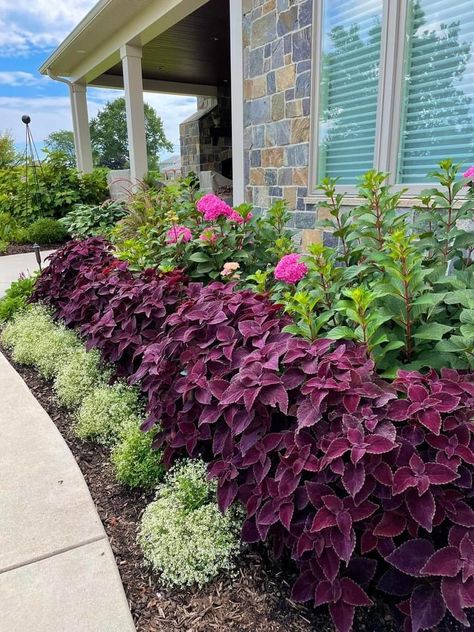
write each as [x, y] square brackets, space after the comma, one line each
[57, 570]
[11, 266]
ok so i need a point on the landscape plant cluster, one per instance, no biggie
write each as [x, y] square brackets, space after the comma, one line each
[50, 191]
[16, 297]
[33, 199]
[109, 413]
[42, 231]
[400, 283]
[183, 534]
[177, 228]
[364, 482]
[86, 220]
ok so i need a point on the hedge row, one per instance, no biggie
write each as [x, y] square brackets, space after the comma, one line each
[366, 484]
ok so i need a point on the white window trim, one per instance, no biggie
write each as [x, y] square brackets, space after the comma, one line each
[389, 106]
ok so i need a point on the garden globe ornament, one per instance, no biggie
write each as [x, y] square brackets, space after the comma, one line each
[32, 163]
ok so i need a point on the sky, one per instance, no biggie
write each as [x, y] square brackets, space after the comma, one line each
[29, 31]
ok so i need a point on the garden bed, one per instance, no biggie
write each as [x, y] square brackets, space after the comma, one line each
[256, 598]
[21, 249]
[354, 473]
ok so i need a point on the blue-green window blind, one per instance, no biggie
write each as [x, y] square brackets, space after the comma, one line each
[350, 64]
[438, 96]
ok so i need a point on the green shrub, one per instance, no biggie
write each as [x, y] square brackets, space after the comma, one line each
[106, 411]
[23, 335]
[78, 376]
[402, 288]
[8, 226]
[47, 231]
[16, 297]
[21, 236]
[136, 464]
[3, 246]
[88, 221]
[59, 188]
[183, 535]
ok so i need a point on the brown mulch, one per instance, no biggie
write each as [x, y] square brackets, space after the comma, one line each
[255, 599]
[20, 249]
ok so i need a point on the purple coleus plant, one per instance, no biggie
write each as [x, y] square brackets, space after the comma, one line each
[366, 484]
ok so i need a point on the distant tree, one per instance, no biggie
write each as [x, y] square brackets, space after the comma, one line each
[109, 136]
[62, 141]
[8, 154]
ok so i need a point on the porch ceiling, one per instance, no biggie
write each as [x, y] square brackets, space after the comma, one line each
[185, 43]
[196, 50]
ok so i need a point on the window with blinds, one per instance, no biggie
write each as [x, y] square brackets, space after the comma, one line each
[349, 79]
[438, 91]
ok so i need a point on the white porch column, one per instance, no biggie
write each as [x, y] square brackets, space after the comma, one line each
[80, 122]
[237, 96]
[133, 84]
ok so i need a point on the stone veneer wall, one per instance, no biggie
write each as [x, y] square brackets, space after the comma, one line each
[206, 136]
[277, 37]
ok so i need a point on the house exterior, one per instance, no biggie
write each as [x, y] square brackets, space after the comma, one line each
[290, 91]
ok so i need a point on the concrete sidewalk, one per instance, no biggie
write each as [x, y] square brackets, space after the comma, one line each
[13, 265]
[57, 570]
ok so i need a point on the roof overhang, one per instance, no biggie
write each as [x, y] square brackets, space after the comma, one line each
[93, 47]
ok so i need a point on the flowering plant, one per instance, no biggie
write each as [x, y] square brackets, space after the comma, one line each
[469, 173]
[177, 229]
[223, 235]
[290, 269]
[212, 207]
[178, 234]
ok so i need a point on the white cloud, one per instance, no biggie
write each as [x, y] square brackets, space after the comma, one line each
[20, 78]
[27, 25]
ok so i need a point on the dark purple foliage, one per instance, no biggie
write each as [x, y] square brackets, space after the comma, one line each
[363, 482]
[118, 312]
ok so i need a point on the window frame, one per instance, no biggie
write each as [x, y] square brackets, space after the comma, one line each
[389, 105]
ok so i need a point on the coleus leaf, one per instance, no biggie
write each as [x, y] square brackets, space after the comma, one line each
[411, 556]
[451, 589]
[421, 508]
[391, 525]
[445, 562]
[427, 607]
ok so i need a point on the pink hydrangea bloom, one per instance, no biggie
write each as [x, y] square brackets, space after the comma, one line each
[290, 269]
[469, 173]
[209, 236]
[180, 234]
[213, 207]
[238, 219]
